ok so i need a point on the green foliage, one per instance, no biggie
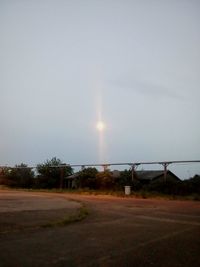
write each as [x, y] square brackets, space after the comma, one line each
[191, 186]
[87, 178]
[50, 172]
[19, 176]
[80, 215]
[175, 188]
[125, 178]
[170, 187]
[105, 180]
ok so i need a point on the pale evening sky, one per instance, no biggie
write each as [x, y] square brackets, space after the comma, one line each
[136, 62]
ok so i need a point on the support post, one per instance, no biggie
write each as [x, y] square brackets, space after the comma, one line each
[105, 167]
[62, 173]
[133, 168]
[82, 167]
[132, 172]
[165, 165]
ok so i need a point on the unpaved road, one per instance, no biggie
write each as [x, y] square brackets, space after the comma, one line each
[22, 210]
[117, 232]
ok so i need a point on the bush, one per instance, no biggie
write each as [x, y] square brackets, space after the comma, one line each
[19, 176]
[105, 180]
[51, 172]
[170, 187]
[87, 178]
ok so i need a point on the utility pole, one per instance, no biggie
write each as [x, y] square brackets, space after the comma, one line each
[133, 168]
[165, 165]
[82, 167]
[105, 167]
[62, 173]
[132, 172]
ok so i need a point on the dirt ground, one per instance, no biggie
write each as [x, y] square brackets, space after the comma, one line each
[22, 210]
[117, 232]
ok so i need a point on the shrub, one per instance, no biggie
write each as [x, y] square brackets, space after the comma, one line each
[19, 176]
[50, 173]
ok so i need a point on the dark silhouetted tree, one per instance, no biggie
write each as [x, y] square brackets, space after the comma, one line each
[49, 173]
[19, 176]
[87, 178]
[105, 180]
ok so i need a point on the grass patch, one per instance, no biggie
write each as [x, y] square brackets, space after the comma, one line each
[80, 215]
[144, 194]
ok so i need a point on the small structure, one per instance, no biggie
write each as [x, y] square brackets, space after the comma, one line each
[71, 181]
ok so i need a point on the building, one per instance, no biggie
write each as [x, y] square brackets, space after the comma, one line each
[71, 181]
[148, 176]
[144, 177]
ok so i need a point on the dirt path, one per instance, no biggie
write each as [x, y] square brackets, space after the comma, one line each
[117, 232]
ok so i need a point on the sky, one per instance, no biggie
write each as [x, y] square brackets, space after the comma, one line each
[134, 64]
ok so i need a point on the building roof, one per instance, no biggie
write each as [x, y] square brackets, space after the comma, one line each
[147, 175]
[72, 176]
[153, 174]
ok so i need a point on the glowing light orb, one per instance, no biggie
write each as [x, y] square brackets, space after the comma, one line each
[100, 126]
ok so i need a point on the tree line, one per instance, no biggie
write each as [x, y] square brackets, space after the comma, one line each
[53, 174]
[47, 175]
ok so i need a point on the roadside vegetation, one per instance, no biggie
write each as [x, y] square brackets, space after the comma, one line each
[56, 176]
[78, 216]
